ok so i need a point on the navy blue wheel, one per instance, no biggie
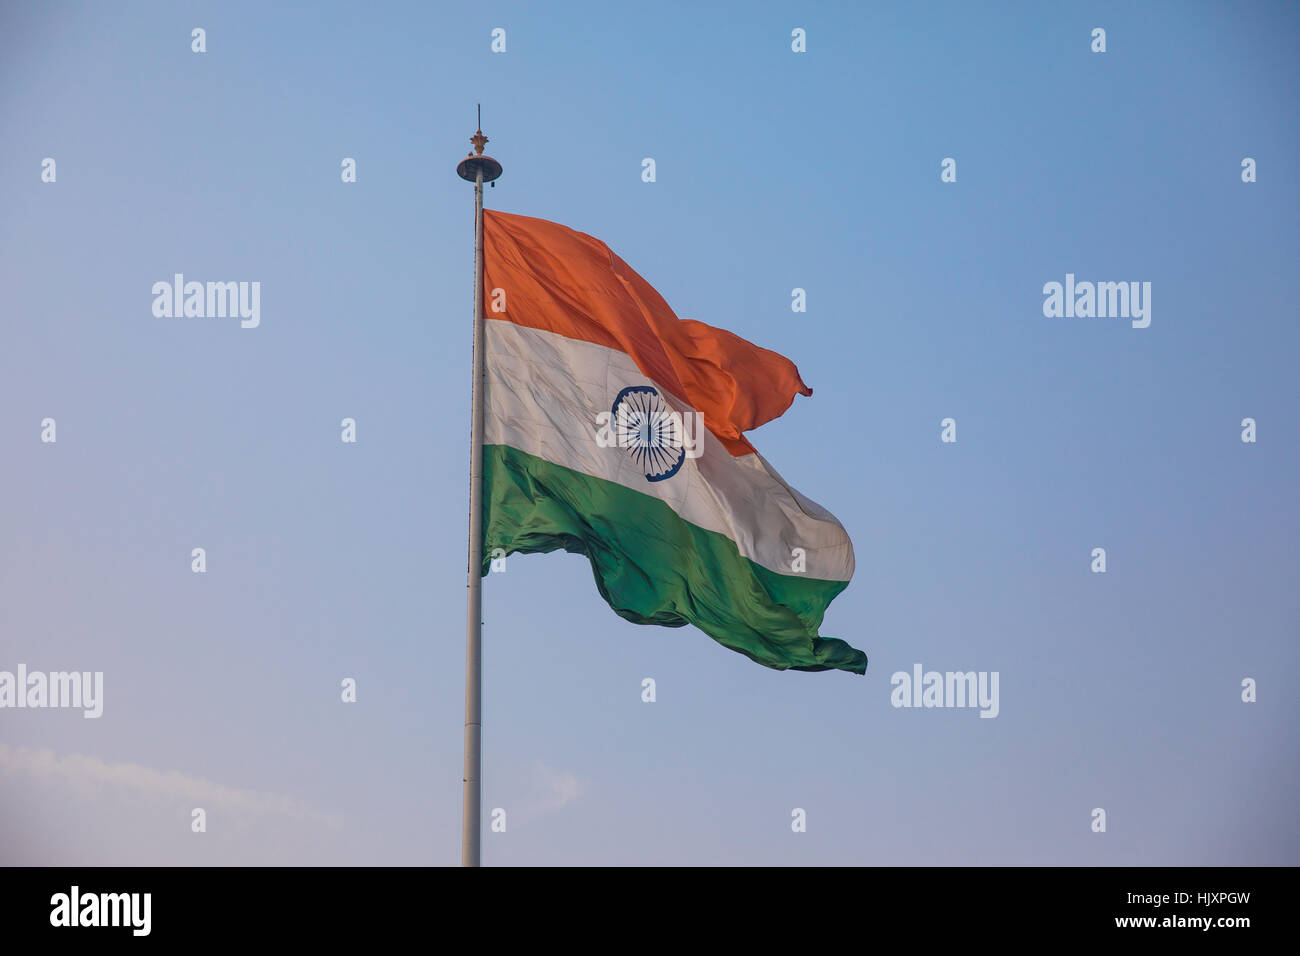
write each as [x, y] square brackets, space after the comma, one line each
[649, 431]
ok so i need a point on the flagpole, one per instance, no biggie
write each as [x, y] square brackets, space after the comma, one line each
[477, 169]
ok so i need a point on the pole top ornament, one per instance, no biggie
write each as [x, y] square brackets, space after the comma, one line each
[475, 162]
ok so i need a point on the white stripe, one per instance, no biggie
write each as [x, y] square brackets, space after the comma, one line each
[544, 392]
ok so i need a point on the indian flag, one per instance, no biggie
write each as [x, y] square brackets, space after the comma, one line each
[615, 430]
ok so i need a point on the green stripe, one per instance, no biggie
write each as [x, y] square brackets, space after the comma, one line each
[653, 567]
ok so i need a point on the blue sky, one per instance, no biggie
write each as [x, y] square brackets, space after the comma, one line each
[775, 170]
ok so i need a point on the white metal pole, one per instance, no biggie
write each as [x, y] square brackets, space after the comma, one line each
[472, 808]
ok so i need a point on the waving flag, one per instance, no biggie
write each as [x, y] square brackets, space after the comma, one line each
[614, 429]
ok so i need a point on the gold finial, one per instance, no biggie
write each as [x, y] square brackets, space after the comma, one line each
[475, 163]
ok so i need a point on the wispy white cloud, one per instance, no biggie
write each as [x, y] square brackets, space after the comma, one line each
[545, 790]
[81, 773]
